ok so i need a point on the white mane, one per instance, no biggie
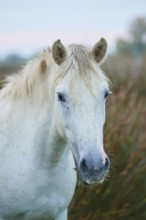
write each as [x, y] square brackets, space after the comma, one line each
[32, 80]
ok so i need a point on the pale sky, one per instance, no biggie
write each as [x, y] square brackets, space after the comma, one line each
[30, 25]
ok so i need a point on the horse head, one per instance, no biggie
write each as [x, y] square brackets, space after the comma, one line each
[81, 90]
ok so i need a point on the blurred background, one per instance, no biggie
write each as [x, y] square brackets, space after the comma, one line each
[26, 27]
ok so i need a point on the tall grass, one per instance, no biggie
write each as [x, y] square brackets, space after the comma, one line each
[123, 194]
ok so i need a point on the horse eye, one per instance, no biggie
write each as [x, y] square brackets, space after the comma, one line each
[106, 94]
[61, 97]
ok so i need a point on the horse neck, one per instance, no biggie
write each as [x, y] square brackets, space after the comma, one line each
[52, 148]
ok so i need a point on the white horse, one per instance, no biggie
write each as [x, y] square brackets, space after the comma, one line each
[51, 120]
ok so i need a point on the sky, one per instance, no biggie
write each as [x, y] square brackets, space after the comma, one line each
[31, 25]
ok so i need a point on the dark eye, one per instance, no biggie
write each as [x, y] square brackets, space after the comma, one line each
[61, 97]
[106, 94]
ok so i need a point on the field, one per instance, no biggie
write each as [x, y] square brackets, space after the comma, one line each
[123, 195]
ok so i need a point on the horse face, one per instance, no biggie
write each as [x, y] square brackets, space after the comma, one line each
[80, 110]
[81, 116]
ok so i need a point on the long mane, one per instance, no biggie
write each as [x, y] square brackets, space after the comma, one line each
[29, 80]
[32, 80]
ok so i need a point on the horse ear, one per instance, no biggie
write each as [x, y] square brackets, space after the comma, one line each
[58, 52]
[99, 50]
[43, 66]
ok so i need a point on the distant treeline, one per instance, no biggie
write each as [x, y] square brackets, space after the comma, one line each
[136, 44]
[11, 64]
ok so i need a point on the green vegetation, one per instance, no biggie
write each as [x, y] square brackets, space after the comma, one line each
[136, 44]
[123, 195]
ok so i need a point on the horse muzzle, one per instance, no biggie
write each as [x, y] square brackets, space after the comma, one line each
[92, 171]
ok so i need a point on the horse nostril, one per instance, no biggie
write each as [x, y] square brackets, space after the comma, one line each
[83, 165]
[107, 164]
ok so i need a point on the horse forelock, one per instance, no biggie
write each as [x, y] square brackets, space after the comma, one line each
[80, 59]
[81, 56]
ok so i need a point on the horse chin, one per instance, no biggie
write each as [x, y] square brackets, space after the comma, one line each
[90, 181]
[94, 183]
